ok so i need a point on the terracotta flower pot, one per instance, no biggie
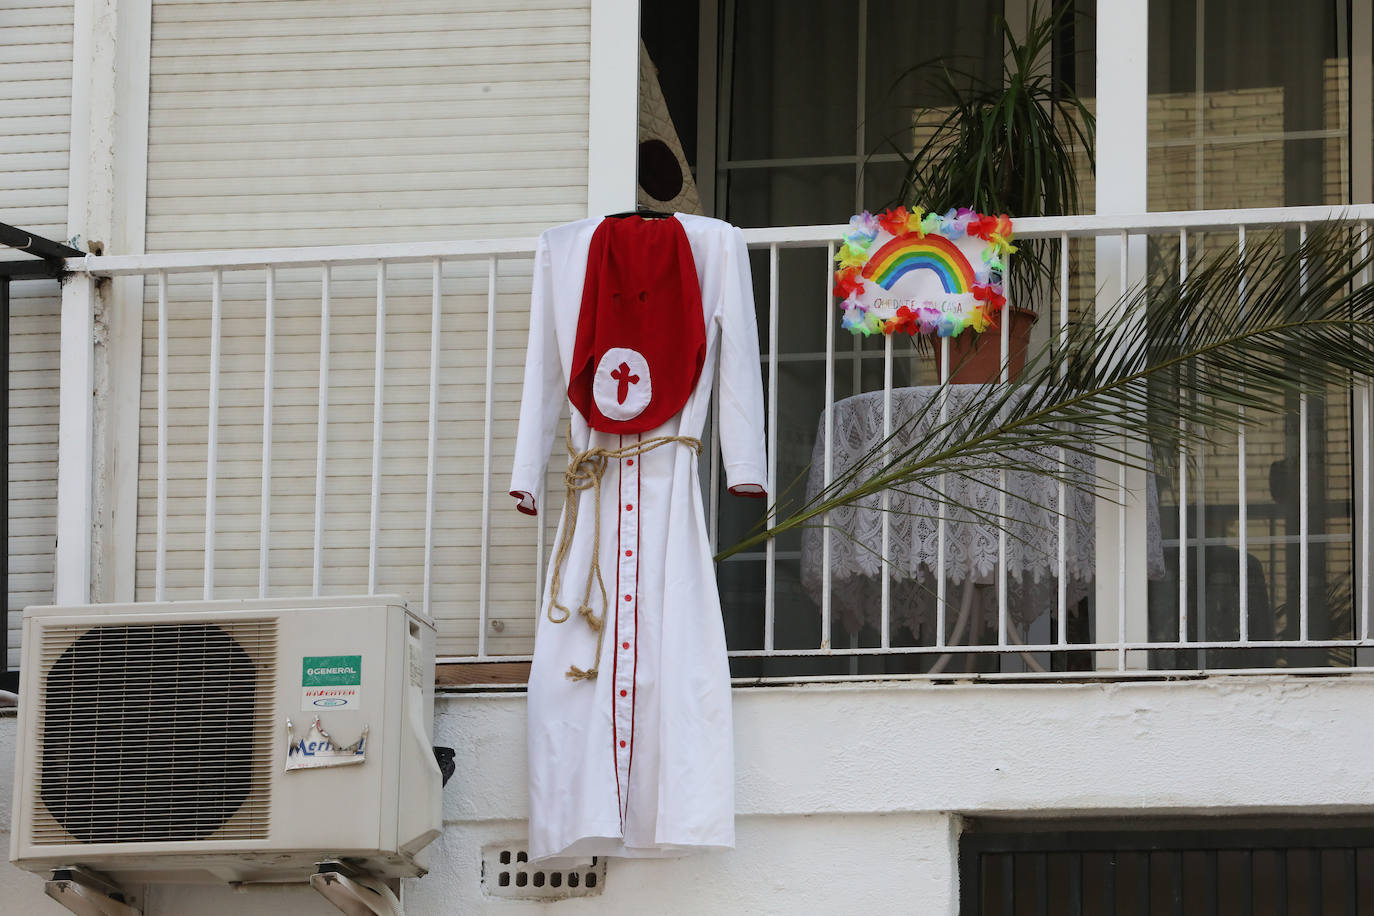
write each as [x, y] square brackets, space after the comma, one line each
[976, 359]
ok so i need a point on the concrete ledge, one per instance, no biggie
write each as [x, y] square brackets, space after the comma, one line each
[1221, 745]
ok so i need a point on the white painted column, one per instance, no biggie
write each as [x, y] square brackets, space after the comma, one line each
[613, 122]
[1122, 169]
[90, 201]
[123, 349]
[75, 456]
[105, 214]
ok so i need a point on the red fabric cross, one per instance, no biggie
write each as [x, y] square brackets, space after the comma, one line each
[623, 376]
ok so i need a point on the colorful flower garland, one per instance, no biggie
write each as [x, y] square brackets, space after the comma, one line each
[944, 320]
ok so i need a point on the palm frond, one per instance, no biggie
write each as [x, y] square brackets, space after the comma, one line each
[1172, 367]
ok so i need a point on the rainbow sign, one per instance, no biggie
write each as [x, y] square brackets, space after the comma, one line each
[910, 251]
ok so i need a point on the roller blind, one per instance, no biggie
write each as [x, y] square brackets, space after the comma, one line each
[35, 121]
[343, 122]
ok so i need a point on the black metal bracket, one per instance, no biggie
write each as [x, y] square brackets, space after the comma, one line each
[46, 261]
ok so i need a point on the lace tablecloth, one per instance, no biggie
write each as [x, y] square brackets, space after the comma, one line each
[970, 545]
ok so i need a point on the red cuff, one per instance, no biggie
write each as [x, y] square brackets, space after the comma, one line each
[751, 490]
[524, 497]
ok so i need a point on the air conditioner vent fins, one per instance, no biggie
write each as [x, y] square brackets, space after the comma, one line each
[157, 732]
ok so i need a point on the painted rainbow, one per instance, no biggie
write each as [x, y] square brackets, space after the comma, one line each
[909, 252]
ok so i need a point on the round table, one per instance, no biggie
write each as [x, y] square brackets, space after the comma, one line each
[971, 543]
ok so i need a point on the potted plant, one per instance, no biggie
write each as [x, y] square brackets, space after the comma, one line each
[1009, 147]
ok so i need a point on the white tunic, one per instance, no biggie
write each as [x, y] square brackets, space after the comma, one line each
[640, 760]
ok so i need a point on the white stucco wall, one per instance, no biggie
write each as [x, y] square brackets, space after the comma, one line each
[850, 796]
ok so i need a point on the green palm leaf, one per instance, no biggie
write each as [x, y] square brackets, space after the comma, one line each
[1173, 366]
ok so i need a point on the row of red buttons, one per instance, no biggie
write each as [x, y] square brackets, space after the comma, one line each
[629, 507]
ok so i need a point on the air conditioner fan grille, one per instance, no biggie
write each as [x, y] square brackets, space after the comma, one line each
[155, 732]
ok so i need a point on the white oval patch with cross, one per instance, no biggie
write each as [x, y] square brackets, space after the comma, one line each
[621, 386]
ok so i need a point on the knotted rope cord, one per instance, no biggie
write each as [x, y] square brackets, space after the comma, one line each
[585, 470]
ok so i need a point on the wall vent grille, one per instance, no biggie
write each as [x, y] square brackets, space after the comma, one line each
[507, 872]
[155, 732]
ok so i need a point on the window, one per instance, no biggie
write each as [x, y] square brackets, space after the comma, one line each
[1247, 107]
[1250, 107]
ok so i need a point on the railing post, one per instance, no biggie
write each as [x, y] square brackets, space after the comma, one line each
[1121, 188]
[1122, 513]
[75, 458]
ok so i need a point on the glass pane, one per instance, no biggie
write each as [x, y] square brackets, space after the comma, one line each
[792, 92]
[1249, 103]
[1271, 561]
[903, 35]
[812, 195]
[821, 122]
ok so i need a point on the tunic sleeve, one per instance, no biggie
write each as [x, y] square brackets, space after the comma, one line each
[541, 401]
[741, 384]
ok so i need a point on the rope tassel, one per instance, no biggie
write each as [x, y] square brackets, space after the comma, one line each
[585, 470]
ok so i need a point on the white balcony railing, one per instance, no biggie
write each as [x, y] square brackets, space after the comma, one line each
[1116, 637]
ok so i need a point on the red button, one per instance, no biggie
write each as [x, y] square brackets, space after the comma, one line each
[628, 598]
[629, 507]
[622, 744]
[623, 693]
[630, 462]
[629, 553]
[624, 645]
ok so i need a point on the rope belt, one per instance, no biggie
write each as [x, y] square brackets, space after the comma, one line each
[585, 470]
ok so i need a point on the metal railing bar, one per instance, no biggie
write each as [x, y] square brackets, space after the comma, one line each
[432, 442]
[788, 236]
[321, 436]
[1004, 376]
[484, 596]
[1242, 484]
[333, 255]
[1121, 493]
[1053, 677]
[828, 470]
[770, 570]
[1141, 674]
[212, 431]
[884, 560]
[1110, 646]
[1183, 471]
[378, 399]
[1303, 495]
[1367, 476]
[942, 522]
[1062, 556]
[1093, 225]
[269, 356]
[160, 568]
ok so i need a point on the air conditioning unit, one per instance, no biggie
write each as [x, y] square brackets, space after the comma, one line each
[226, 740]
